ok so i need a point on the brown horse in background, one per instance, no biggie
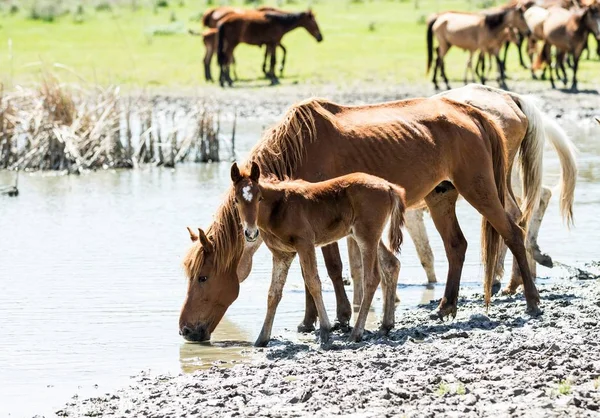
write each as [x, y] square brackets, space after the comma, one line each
[210, 20]
[259, 29]
[416, 144]
[568, 32]
[482, 31]
[295, 216]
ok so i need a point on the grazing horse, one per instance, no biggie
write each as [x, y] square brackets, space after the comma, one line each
[210, 20]
[482, 31]
[259, 29]
[295, 216]
[568, 32]
[416, 144]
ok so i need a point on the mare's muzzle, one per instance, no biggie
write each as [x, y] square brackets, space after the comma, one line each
[197, 334]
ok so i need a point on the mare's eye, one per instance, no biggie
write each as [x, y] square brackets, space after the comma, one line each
[202, 279]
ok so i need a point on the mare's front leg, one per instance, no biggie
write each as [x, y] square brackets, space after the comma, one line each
[308, 260]
[415, 226]
[281, 266]
[442, 206]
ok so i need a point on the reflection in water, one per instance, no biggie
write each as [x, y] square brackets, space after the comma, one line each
[91, 282]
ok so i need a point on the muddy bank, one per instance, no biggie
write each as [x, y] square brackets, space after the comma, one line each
[497, 363]
[271, 102]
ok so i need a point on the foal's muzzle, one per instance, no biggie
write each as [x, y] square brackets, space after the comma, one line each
[251, 236]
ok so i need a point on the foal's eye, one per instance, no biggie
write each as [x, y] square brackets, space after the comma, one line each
[202, 279]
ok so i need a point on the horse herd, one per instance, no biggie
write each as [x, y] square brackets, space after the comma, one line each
[564, 25]
[328, 171]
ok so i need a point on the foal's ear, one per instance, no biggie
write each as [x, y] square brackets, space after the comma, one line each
[254, 172]
[235, 173]
[193, 236]
[206, 244]
[598, 120]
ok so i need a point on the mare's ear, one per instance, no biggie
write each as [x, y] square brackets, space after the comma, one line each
[193, 236]
[206, 244]
[235, 173]
[254, 172]
[310, 13]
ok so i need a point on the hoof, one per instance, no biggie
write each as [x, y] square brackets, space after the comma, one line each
[324, 336]
[261, 342]
[304, 328]
[533, 311]
[343, 326]
[445, 309]
[496, 288]
[355, 337]
[543, 259]
[507, 291]
[384, 330]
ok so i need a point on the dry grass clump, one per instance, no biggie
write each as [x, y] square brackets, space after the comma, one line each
[54, 127]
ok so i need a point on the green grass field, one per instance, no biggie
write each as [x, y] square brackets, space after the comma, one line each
[364, 41]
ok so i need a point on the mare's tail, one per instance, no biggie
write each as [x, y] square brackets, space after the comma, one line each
[396, 217]
[490, 239]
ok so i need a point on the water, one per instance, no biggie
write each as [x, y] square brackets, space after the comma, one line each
[91, 281]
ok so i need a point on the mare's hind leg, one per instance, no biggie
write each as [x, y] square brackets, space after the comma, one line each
[442, 205]
[207, 59]
[534, 229]
[390, 269]
[477, 186]
[416, 229]
[282, 60]
[333, 262]
[308, 260]
[281, 266]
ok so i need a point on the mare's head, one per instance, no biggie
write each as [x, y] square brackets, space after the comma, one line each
[247, 197]
[212, 287]
[516, 18]
[309, 22]
[591, 19]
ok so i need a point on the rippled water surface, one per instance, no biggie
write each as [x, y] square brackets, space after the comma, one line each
[91, 281]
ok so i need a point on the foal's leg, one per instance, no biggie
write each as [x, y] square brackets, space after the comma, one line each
[477, 186]
[355, 271]
[273, 52]
[264, 66]
[308, 260]
[371, 278]
[390, 269]
[282, 60]
[416, 229]
[442, 205]
[281, 266]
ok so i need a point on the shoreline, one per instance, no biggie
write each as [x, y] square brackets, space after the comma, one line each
[499, 362]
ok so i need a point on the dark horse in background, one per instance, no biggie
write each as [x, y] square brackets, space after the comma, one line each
[210, 20]
[259, 28]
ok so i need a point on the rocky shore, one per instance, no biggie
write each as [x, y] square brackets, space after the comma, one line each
[495, 363]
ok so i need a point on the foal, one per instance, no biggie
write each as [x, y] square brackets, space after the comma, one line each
[294, 217]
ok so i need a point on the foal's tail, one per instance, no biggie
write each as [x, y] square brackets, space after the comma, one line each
[396, 217]
[430, 23]
[490, 239]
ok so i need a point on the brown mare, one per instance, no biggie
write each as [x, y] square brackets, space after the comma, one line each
[416, 144]
[293, 217]
[482, 31]
[259, 28]
[210, 20]
[568, 32]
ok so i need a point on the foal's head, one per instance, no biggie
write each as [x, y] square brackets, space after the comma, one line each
[308, 22]
[247, 197]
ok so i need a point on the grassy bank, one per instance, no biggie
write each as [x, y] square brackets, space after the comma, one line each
[364, 41]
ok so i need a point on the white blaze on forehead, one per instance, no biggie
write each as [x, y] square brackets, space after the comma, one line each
[246, 193]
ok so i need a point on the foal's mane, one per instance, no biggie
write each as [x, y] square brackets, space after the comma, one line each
[279, 153]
